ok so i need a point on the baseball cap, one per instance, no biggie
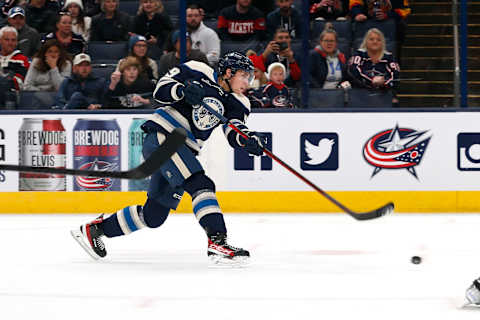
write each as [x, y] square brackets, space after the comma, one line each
[81, 57]
[16, 11]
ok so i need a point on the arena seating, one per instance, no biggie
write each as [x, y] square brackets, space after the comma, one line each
[35, 100]
[107, 50]
[324, 98]
[363, 98]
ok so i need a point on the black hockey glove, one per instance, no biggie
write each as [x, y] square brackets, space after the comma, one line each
[254, 145]
[193, 92]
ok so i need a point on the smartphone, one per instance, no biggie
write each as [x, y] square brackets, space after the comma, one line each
[282, 45]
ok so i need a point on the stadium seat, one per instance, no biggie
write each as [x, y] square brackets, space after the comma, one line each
[99, 50]
[171, 7]
[326, 98]
[103, 70]
[154, 52]
[387, 27]
[36, 100]
[343, 29]
[211, 23]
[363, 98]
[229, 46]
[130, 7]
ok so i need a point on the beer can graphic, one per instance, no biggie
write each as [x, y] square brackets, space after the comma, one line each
[42, 143]
[96, 146]
[135, 156]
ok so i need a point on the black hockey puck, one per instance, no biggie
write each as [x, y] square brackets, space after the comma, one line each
[416, 260]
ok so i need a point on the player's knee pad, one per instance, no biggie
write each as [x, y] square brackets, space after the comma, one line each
[198, 181]
[154, 214]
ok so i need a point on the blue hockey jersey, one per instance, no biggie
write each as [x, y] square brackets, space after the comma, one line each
[196, 120]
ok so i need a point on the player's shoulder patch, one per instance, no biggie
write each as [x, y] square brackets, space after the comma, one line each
[202, 68]
[243, 100]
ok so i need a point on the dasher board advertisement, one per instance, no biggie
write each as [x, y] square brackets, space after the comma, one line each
[338, 151]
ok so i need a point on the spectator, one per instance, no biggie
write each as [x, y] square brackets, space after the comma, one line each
[372, 67]
[171, 59]
[6, 6]
[80, 22]
[13, 63]
[28, 37]
[137, 46]
[328, 66]
[73, 43]
[286, 17]
[241, 22]
[260, 78]
[82, 90]
[40, 14]
[152, 22]
[110, 24]
[92, 7]
[49, 68]
[275, 93]
[127, 89]
[211, 8]
[381, 10]
[328, 9]
[203, 38]
[280, 50]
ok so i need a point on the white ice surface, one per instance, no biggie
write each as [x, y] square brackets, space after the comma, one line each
[303, 266]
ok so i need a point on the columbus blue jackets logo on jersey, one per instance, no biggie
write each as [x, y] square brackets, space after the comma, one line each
[95, 183]
[398, 148]
[202, 118]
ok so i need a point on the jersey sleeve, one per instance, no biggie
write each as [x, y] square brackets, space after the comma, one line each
[392, 72]
[240, 110]
[169, 88]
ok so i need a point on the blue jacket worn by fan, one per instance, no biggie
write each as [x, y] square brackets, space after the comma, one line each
[196, 120]
[319, 67]
[93, 88]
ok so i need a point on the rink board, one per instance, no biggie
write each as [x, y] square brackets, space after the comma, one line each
[423, 161]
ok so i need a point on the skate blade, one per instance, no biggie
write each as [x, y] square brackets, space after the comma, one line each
[78, 236]
[220, 261]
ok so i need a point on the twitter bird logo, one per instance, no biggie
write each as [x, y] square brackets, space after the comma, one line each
[319, 151]
[318, 154]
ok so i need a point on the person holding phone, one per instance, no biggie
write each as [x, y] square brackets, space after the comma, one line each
[280, 50]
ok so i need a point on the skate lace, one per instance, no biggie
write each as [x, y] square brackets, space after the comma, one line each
[99, 243]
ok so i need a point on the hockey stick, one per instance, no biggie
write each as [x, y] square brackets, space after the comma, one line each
[383, 210]
[146, 169]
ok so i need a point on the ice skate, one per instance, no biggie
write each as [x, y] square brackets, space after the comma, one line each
[220, 252]
[89, 237]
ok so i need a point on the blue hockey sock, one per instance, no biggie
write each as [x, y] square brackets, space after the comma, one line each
[124, 221]
[207, 211]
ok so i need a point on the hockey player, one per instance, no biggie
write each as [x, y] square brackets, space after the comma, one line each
[181, 92]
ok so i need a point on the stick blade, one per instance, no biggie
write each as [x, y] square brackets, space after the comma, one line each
[377, 213]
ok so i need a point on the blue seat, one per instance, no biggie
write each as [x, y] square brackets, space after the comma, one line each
[211, 23]
[229, 46]
[343, 29]
[326, 98]
[130, 7]
[364, 98]
[171, 7]
[388, 28]
[36, 100]
[103, 70]
[154, 52]
[99, 50]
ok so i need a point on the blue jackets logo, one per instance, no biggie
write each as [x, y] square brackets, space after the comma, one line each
[319, 151]
[468, 151]
[397, 148]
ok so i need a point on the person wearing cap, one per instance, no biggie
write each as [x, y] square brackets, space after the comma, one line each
[128, 88]
[81, 23]
[40, 15]
[137, 47]
[204, 38]
[152, 22]
[171, 59]
[28, 38]
[111, 24]
[72, 42]
[49, 68]
[82, 90]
